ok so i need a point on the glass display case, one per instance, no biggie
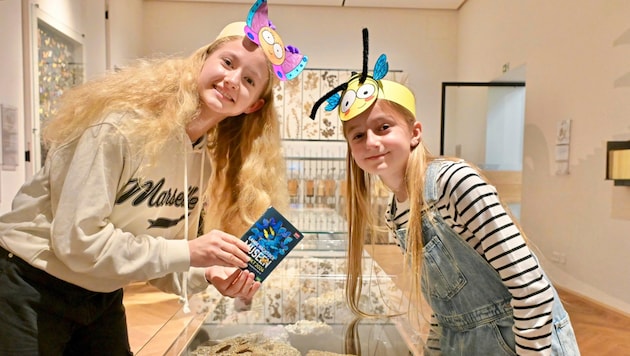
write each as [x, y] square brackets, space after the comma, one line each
[316, 182]
[301, 308]
[316, 174]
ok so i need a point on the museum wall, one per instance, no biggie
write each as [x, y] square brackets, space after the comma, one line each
[576, 57]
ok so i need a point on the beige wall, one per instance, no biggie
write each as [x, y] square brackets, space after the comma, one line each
[575, 57]
[11, 87]
[124, 35]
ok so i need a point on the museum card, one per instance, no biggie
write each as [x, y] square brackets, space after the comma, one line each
[270, 239]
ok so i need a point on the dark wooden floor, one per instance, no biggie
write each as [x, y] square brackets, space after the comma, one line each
[600, 331]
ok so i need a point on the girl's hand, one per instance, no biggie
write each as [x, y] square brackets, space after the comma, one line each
[218, 248]
[232, 282]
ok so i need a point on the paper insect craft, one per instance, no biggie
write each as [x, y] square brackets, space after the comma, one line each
[358, 95]
[362, 90]
[287, 61]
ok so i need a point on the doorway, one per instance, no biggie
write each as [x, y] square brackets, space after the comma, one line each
[483, 123]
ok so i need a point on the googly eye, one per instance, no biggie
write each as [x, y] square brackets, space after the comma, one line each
[267, 36]
[366, 91]
[278, 51]
[348, 99]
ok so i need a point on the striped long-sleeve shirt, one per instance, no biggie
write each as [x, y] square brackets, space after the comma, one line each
[471, 207]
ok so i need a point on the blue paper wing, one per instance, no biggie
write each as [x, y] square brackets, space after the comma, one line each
[381, 67]
[333, 101]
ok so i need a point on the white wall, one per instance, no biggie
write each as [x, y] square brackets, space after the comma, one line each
[77, 18]
[576, 56]
[465, 120]
[124, 32]
[505, 126]
[11, 88]
[95, 45]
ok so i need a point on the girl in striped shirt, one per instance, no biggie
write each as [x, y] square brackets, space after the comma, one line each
[468, 258]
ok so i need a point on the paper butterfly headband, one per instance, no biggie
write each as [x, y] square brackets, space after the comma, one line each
[361, 90]
[287, 61]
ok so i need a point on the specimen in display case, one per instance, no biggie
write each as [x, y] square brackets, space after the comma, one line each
[301, 310]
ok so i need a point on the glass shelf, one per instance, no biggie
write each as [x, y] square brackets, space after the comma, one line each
[318, 221]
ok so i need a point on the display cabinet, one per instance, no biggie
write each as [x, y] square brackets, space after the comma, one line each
[301, 307]
[618, 162]
[301, 310]
[316, 175]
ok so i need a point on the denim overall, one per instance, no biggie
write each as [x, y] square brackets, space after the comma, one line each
[471, 304]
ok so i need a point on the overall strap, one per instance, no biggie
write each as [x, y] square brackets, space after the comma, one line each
[430, 182]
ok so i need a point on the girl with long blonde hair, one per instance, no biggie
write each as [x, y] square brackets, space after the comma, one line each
[465, 255]
[134, 158]
[467, 258]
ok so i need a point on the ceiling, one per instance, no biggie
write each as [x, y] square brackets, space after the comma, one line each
[405, 4]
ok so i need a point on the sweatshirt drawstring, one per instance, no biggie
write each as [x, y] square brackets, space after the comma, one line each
[184, 296]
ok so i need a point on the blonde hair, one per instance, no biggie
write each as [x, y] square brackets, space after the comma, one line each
[361, 215]
[245, 151]
[249, 171]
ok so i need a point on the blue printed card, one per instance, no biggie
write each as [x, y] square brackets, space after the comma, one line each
[270, 239]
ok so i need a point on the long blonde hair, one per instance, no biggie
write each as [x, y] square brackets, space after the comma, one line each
[245, 151]
[249, 169]
[362, 220]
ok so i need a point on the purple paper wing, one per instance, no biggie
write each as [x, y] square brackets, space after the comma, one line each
[294, 64]
[257, 19]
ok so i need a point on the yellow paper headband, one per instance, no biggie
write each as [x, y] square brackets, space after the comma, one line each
[399, 94]
[358, 97]
[233, 29]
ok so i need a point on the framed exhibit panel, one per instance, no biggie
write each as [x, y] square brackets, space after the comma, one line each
[55, 59]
